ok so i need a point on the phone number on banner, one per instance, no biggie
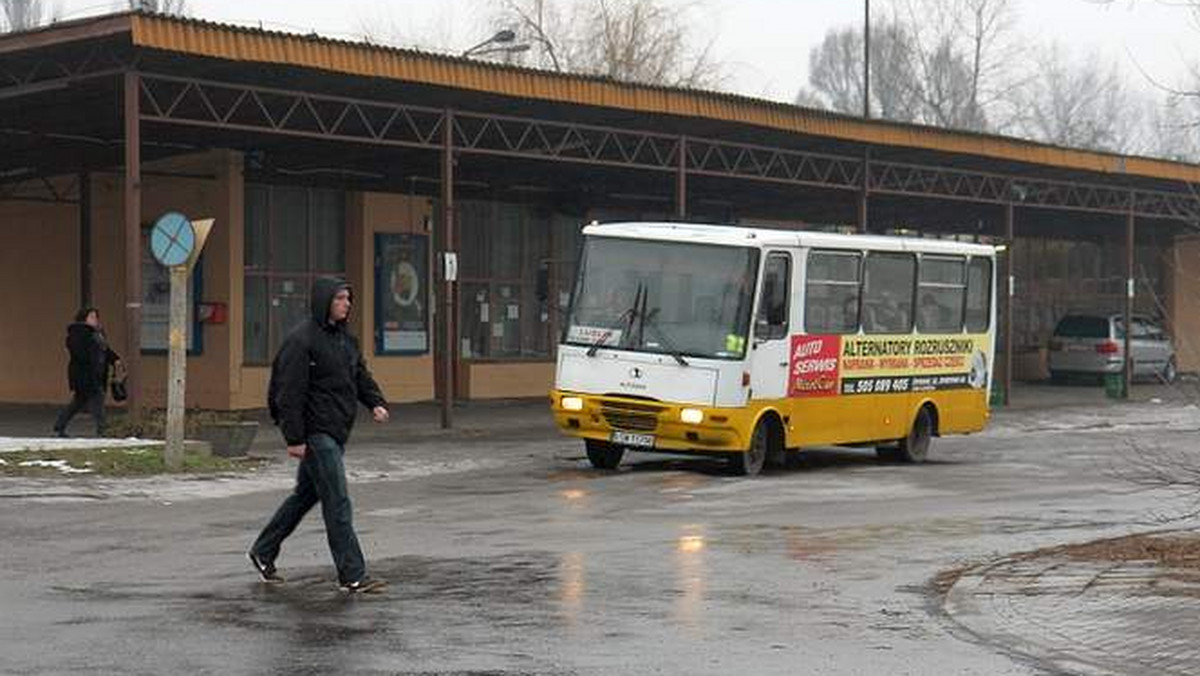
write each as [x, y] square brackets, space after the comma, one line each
[901, 384]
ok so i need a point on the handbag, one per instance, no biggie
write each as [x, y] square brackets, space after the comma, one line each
[117, 384]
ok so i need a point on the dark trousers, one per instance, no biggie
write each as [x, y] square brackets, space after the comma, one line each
[321, 478]
[92, 403]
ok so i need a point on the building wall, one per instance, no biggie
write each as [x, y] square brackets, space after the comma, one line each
[402, 379]
[505, 381]
[1184, 301]
[41, 245]
[39, 275]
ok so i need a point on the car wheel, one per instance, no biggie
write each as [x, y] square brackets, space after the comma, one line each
[1170, 372]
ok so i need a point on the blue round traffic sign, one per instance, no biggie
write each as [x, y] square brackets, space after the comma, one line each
[172, 239]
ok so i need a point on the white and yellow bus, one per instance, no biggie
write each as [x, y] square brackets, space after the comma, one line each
[749, 343]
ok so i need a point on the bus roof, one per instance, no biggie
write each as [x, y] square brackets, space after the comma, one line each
[731, 235]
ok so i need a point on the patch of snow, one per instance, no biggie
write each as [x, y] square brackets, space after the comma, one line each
[60, 465]
[18, 444]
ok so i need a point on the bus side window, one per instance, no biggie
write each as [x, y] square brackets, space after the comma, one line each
[941, 293]
[831, 293]
[772, 320]
[979, 295]
[888, 293]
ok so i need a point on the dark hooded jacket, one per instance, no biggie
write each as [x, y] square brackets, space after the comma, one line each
[87, 372]
[318, 377]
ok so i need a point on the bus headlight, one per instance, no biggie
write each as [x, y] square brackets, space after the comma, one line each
[572, 403]
[691, 416]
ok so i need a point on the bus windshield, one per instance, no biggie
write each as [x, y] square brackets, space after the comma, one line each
[667, 297]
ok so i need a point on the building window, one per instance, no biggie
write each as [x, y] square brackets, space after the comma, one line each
[292, 236]
[504, 248]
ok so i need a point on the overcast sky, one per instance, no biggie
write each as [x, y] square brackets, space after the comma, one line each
[764, 42]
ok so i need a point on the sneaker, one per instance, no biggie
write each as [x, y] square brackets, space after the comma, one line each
[367, 585]
[62, 434]
[266, 569]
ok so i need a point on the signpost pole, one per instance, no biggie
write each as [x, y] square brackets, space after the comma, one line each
[177, 367]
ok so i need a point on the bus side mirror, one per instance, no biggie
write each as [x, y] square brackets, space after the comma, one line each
[543, 283]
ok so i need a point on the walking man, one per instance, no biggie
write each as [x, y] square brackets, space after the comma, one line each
[87, 372]
[317, 379]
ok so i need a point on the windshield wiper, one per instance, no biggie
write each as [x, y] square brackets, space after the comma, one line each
[625, 321]
[648, 320]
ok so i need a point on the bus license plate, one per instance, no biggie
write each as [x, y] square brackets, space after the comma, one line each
[631, 439]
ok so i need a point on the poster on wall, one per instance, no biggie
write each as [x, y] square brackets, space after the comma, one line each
[156, 303]
[401, 294]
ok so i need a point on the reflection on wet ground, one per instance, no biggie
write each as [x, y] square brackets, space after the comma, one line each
[540, 565]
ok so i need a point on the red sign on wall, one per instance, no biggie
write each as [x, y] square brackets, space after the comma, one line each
[814, 369]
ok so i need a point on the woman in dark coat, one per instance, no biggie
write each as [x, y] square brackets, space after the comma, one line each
[88, 370]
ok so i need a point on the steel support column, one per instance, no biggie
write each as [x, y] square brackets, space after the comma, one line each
[1009, 286]
[864, 191]
[681, 182]
[85, 239]
[1130, 288]
[133, 244]
[448, 320]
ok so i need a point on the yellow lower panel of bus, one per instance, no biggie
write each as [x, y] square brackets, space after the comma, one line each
[879, 417]
[599, 417]
[807, 421]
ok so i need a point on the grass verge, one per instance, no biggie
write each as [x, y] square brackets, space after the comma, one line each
[113, 462]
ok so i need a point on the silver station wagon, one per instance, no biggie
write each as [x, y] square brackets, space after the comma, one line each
[1094, 344]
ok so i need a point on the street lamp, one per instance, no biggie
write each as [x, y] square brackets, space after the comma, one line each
[503, 38]
[867, 58]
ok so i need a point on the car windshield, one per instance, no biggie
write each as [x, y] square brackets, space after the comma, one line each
[1082, 326]
[668, 297]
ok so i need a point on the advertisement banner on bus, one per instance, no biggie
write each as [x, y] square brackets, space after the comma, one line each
[850, 365]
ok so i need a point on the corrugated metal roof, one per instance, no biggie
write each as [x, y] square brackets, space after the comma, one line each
[252, 45]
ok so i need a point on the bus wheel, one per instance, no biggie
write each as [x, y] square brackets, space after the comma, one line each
[602, 454]
[915, 447]
[750, 463]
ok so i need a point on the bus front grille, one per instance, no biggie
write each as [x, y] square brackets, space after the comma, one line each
[631, 416]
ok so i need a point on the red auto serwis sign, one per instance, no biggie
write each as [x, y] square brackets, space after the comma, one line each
[815, 367]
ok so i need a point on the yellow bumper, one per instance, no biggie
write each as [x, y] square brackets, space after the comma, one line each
[720, 430]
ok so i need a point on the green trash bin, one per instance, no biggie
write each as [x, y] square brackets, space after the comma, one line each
[1114, 385]
[996, 399]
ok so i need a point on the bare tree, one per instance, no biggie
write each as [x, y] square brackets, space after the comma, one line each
[939, 62]
[836, 73]
[647, 41]
[178, 7]
[21, 15]
[1174, 128]
[963, 52]
[1080, 104]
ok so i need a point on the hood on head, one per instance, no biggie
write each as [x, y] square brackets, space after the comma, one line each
[323, 291]
[79, 328]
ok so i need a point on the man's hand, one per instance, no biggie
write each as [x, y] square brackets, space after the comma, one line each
[298, 451]
[380, 413]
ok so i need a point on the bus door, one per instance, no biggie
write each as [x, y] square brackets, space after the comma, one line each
[769, 365]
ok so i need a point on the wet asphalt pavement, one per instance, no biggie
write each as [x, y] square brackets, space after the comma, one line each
[510, 556]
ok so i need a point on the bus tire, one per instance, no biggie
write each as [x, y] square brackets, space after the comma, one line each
[602, 454]
[751, 461]
[915, 447]
[888, 453]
